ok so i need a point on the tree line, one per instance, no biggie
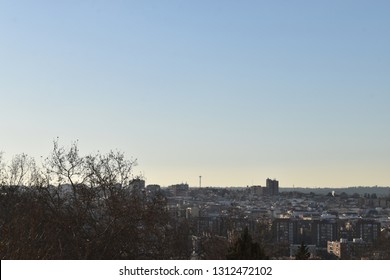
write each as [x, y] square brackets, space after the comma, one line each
[82, 207]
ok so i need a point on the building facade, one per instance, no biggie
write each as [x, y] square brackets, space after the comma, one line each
[272, 187]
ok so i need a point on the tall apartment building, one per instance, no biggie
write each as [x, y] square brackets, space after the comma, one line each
[179, 189]
[137, 184]
[324, 231]
[257, 190]
[285, 231]
[347, 250]
[314, 232]
[367, 230]
[272, 187]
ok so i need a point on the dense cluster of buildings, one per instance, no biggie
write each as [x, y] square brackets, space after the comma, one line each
[271, 188]
[344, 227]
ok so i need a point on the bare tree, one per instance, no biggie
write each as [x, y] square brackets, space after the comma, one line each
[99, 217]
[23, 171]
[2, 170]
[108, 170]
[66, 164]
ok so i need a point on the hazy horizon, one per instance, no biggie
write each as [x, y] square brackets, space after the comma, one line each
[233, 91]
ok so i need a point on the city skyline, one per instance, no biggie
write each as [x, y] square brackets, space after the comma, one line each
[235, 92]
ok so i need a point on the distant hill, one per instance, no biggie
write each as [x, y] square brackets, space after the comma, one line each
[379, 191]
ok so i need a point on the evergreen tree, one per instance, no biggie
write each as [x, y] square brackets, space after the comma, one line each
[303, 252]
[245, 249]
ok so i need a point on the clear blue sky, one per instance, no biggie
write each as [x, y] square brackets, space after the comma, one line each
[235, 91]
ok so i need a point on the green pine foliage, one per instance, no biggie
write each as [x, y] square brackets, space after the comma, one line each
[303, 252]
[246, 249]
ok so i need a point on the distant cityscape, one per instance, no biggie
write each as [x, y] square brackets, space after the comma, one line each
[142, 221]
[344, 223]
